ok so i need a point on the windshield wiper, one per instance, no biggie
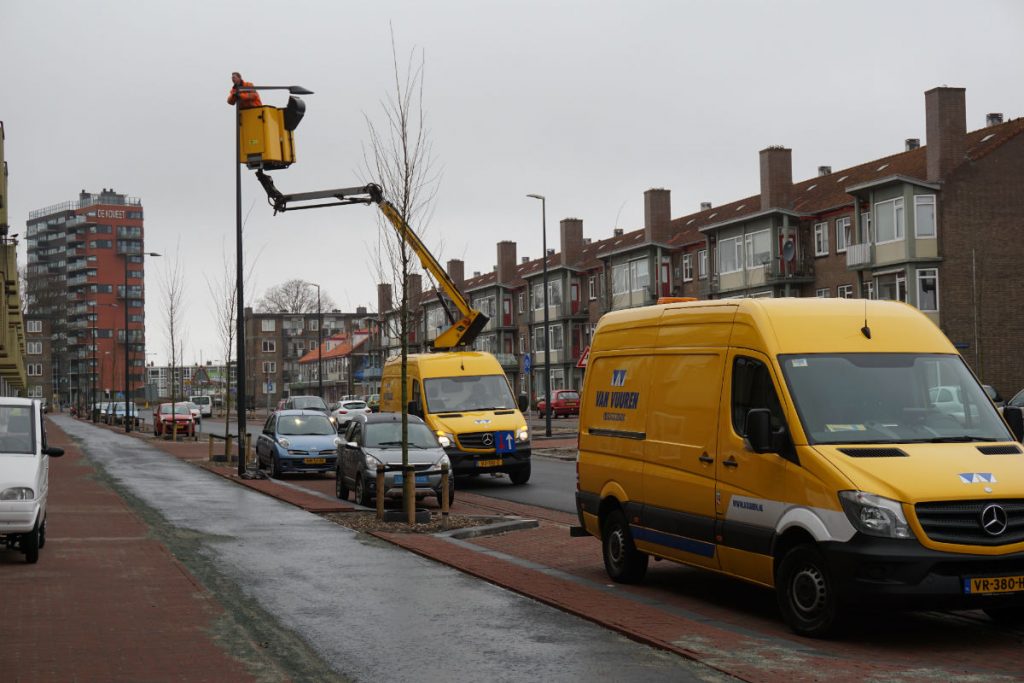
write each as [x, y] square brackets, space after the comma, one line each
[389, 443]
[959, 439]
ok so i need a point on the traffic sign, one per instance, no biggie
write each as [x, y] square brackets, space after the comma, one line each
[584, 357]
[527, 362]
[504, 442]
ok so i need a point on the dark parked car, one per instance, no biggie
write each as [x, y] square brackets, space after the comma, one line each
[994, 395]
[298, 441]
[565, 402]
[308, 403]
[376, 439]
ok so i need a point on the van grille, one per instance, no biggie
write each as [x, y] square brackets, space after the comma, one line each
[475, 440]
[960, 521]
[873, 452]
[1000, 450]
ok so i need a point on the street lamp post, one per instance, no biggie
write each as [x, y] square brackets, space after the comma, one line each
[127, 343]
[239, 279]
[319, 343]
[547, 343]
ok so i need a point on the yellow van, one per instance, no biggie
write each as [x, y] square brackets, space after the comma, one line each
[465, 399]
[799, 444]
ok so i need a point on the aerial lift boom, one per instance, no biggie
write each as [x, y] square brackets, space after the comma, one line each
[462, 330]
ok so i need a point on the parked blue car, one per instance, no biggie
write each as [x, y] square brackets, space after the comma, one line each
[298, 441]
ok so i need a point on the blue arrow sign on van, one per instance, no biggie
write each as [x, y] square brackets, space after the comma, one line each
[504, 442]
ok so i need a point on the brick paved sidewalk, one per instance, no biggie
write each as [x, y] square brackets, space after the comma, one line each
[107, 602]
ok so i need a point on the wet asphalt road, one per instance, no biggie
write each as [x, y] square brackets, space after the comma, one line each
[368, 610]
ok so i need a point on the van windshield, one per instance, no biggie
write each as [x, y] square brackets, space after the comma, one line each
[889, 398]
[463, 394]
[16, 433]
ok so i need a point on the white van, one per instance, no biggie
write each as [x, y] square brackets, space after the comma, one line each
[205, 404]
[24, 475]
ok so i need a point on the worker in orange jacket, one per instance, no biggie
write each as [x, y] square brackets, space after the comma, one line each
[246, 99]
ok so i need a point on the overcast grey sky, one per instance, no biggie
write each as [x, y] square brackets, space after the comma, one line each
[588, 103]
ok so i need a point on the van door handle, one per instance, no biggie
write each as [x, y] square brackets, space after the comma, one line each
[706, 459]
[731, 462]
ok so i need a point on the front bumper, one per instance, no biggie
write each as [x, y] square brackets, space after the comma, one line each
[903, 573]
[464, 462]
[426, 483]
[18, 517]
[296, 463]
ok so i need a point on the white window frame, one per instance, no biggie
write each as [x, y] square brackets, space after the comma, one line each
[750, 256]
[592, 287]
[866, 232]
[34, 326]
[898, 219]
[736, 248]
[702, 264]
[821, 239]
[269, 345]
[920, 201]
[842, 234]
[267, 325]
[869, 289]
[925, 274]
[823, 293]
[33, 348]
[687, 267]
[639, 274]
[844, 291]
[34, 369]
[269, 366]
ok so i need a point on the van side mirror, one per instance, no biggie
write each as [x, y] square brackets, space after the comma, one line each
[53, 451]
[524, 403]
[759, 430]
[1014, 417]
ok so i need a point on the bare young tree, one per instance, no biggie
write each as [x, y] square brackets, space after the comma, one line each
[173, 291]
[293, 296]
[400, 159]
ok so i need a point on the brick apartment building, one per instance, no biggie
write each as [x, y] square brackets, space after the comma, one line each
[13, 377]
[85, 312]
[937, 225]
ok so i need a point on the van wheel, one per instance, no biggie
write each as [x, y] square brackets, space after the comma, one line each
[623, 562]
[806, 594]
[1006, 616]
[340, 490]
[362, 493]
[30, 545]
[520, 476]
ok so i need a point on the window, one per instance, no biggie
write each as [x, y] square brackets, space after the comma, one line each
[844, 291]
[702, 264]
[687, 267]
[842, 234]
[34, 326]
[821, 239]
[928, 289]
[554, 334]
[889, 220]
[36, 391]
[892, 287]
[267, 325]
[269, 346]
[752, 388]
[620, 278]
[758, 249]
[592, 287]
[554, 294]
[269, 366]
[314, 325]
[823, 293]
[924, 216]
[869, 290]
[729, 255]
[34, 369]
[522, 343]
[522, 302]
[639, 274]
[34, 348]
[865, 225]
[101, 244]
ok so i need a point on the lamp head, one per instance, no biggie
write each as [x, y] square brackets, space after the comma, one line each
[536, 196]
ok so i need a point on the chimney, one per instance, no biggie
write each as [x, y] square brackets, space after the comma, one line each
[476, 273]
[551, 251]
[360, 311]
[617, 232]
[415, 293]
[824, 170]
[657, 215]
[586, 241]
[525, 259]
[705, 206]
[776, 177]
[457, 272]
[572, 241]
[913, 143]
[945, 112]
[506, 262]
[383, 298]
[993, 120]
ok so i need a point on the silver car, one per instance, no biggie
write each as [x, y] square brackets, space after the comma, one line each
[376, 439]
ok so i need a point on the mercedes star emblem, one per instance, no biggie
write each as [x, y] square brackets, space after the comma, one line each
[994, 520]
[489, 441]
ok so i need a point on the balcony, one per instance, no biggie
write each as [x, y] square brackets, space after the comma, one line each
[859, 255]
[507, 360]
[796, 271]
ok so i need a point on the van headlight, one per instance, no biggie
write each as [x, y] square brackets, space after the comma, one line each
[524, 435]
[18, 493]
[874, 515]
[446, 439]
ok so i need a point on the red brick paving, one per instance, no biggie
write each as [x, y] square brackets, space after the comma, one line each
[105, 602]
